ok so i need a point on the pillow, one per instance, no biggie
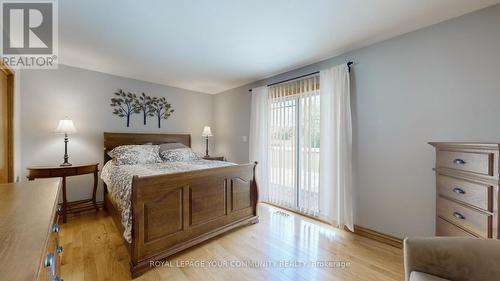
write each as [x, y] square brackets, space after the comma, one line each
[135, 154]
[179, 154]
[171, 145]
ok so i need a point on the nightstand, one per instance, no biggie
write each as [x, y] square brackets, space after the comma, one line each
[218, 158]
[68, 171]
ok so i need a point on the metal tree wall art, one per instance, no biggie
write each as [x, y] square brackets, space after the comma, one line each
[126, 104]
[143, 104]
[161, 109]
[123, 104]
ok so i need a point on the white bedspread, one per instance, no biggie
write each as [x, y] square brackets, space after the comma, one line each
[118, 179]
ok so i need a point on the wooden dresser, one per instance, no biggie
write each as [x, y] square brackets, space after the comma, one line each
[467, 179]
[29, 248]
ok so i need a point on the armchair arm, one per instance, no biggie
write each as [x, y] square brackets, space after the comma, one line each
[454, 258]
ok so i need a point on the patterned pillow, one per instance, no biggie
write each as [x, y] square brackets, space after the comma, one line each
[171, 145]
[179, 154]
[135, 154]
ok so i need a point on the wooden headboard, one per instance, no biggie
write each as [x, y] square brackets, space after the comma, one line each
[112, 140]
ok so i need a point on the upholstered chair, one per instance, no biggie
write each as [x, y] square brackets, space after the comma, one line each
[451, 258]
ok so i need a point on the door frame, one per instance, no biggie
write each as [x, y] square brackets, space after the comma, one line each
[10, 122]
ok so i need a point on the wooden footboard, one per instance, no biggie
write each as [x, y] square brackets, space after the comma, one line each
[176, 211]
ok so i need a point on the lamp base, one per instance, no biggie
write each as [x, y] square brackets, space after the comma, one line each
[206, 150]
[66, 157]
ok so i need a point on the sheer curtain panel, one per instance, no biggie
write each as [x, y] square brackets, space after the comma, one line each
[336, 147]
[259, 138]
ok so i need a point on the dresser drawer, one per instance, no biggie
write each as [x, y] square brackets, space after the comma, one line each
[475, 162]
[52, 252]
[51, 261]
[467, 218]
[444, 228]
[474, 194]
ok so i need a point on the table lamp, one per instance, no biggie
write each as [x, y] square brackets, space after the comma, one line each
[207, 132]
[65, 127]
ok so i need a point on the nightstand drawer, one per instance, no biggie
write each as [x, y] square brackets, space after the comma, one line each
[467, 218]
[63, 172]
[39, 174]
[474, 194]
[86, 170]
[475, 162]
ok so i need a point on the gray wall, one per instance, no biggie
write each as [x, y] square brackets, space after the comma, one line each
[84, 96]
[440, 83]
[231, 117]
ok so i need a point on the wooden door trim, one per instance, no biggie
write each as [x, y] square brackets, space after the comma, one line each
[10, 122]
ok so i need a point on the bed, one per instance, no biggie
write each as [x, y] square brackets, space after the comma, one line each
[174, 211]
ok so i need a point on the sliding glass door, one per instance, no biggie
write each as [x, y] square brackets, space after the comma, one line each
[283, 152]
[294, 147]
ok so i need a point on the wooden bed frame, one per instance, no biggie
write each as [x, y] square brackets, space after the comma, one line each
[176, 211]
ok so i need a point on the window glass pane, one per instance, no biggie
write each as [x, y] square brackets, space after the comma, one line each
[294, 146]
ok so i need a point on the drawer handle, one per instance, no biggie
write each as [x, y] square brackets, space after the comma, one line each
[459, 161]
[49, 260]
[59, 249]
[55, 228]
[458, 190]
[57, 279]
[458, 216]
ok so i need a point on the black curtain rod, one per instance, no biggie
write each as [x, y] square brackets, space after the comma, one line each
[295, 78]
[301, 76]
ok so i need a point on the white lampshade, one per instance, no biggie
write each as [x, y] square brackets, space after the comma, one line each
[65, 127]
[207, 132]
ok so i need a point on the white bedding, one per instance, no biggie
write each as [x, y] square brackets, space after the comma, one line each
[118, 179]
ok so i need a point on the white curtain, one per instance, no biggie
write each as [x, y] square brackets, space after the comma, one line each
[336, 147]
[259, 138]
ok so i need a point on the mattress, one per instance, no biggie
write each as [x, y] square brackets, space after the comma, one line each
[118, 179]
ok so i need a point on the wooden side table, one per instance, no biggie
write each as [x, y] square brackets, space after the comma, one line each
[218, 158]
[68, 171]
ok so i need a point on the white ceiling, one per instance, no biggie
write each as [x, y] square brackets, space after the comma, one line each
[214, 45]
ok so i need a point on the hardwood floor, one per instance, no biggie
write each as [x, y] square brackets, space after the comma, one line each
[94, 250]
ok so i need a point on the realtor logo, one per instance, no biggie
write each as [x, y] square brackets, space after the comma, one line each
[29, 34]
